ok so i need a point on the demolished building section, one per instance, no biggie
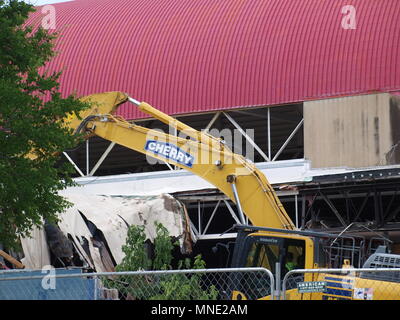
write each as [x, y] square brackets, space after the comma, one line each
[93, 230]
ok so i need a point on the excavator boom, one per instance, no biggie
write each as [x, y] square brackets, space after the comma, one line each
[201, 154]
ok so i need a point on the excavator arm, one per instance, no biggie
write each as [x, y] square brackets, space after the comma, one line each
[201, 154]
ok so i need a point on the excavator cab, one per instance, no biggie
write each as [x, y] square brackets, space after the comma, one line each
[277, 252]
[281, 251]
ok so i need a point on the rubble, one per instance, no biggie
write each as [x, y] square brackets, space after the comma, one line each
[95, 228]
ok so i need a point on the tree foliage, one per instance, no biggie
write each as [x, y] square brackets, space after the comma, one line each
[136, 256]
[30, 111]
[177, 286]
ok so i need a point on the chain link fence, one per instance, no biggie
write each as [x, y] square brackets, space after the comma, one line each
[202, 284]
[197, 284]
[342, 284]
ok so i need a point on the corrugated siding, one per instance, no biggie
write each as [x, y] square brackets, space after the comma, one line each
[187, 56]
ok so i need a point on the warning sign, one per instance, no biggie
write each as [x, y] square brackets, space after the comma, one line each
[363, 293]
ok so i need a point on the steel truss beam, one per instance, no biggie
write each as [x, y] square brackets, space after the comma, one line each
[288, 139]
[223, 209]
[243, 133]
[371, 203]
[74, 164]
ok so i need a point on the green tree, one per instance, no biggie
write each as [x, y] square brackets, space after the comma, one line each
[30, 111]
[161, 286]
[136, 255]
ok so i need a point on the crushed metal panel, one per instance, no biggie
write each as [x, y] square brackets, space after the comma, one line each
[60, 246]
[164, 209]
[35, 250]
[113, 214]
[72, 223]
[103, 213]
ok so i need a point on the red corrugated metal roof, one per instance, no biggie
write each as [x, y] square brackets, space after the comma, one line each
[188, 56]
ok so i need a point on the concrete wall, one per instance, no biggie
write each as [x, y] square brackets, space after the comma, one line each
[358, 131]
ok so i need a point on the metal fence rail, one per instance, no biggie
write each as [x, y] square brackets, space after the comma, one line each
[194, 284]
[342, 284]
[202, 284]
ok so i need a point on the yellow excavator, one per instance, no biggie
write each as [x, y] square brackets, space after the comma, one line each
[267, 237]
